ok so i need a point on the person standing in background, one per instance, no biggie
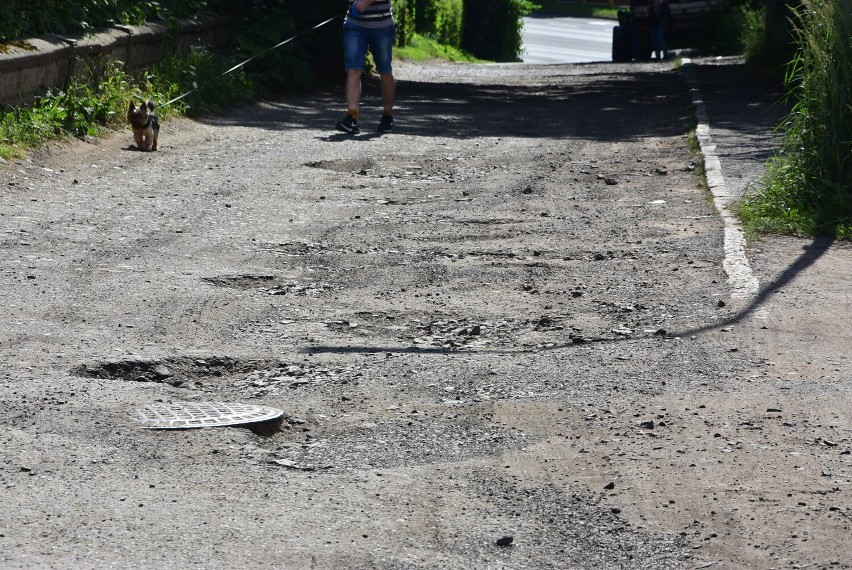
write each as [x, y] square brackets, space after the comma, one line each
[369, 23]
[658, 20]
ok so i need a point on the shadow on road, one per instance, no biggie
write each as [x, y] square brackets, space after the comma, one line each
[812, 253]
[471, 110]
[748, 101]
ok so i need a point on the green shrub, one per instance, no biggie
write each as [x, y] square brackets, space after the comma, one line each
[747, 36]
[451, 22]
[174, 76]
[441, 20]
[741, 28]
[492, 28]
[404, 14]
[752, 32]
[808, 187]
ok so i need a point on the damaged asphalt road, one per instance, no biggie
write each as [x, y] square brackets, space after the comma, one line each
[500, 337]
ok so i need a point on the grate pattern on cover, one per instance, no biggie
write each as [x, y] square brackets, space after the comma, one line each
[183, 415]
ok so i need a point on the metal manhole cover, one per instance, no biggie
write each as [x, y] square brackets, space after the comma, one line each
[182, 415]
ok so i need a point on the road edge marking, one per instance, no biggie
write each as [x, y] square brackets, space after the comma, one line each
[743, 283]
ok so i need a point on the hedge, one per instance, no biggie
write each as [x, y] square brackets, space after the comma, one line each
[492, 28]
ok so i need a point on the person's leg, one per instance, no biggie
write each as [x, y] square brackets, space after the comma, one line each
[382, 49]
[664, 48]
[388, 92]
[354, 53]
[655, 41]
[353, 89]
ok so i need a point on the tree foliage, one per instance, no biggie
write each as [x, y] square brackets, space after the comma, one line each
[440, 20]
[24, 18]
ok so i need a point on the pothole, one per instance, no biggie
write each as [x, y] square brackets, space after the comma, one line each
[240, 281]
[486, 221]
[299, 248]
[269, 284]
[349, 165]
[458, 333]
[248, 378]
[449, 333]
[178, 372]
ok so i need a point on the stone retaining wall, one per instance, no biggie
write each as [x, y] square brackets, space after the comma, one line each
[29, 67]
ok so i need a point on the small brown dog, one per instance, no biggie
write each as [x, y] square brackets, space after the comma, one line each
[145, 124]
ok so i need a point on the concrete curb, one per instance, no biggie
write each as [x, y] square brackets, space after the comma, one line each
[744, 285]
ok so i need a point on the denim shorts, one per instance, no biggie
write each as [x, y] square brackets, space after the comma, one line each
[380, 40]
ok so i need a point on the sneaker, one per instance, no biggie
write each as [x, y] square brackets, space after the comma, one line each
[386, 124]
[348, 125]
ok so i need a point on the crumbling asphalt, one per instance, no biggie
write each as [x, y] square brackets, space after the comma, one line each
[501, 336]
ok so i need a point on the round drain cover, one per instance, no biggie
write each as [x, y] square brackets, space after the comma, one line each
[182, 415]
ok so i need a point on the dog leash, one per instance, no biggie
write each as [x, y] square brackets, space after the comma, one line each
[196, 87]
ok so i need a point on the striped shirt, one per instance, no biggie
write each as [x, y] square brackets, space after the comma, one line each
[379, 14]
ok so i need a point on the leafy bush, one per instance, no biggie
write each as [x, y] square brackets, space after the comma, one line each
[752, 32]
[808, 187]
[24, 18]
[492, 28]
[741, 28]
[175, 76]
[450, 23]
[440, 20]
[747, 23]
[404, 15]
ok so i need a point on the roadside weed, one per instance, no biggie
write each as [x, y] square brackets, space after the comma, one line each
[694, 147]
[86, 107]
[808, 185]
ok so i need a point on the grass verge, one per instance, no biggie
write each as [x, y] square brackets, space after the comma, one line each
[423, 48]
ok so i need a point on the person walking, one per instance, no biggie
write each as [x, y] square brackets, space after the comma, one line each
[658, 20]
[368, 23]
